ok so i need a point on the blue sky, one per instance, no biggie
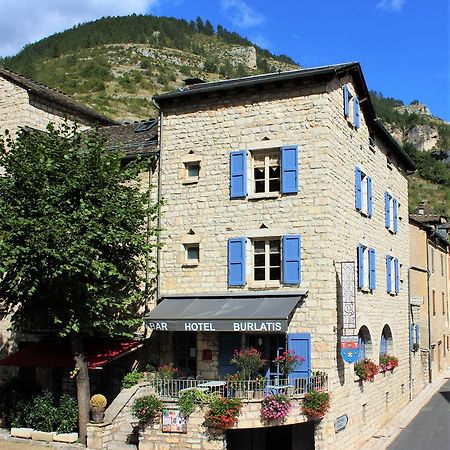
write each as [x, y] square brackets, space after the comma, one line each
[402, 45]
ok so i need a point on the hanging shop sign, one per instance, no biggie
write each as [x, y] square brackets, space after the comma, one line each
[173, 421]
[349, 349]
[348, 295]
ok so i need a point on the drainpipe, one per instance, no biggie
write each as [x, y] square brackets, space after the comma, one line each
[409, 330]
[429, 314]
[147, 260]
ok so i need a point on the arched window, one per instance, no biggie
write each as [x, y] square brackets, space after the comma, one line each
[386, 341]
[364, 343]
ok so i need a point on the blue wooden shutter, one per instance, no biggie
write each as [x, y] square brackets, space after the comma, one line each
[360, 266]
[388, 273]
[372, 269]
[345, 100]
[387, 206]
[417, 327]
[411, 336]
[358, 197]
[369, 197]
[356, 112]
[289, 169]
[395, 212]
[300, 344]
[236, 262]
[397, 275]
[238, 174]
[383, 345]
[291, 259]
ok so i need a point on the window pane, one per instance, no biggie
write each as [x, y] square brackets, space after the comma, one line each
[192, 253]
[259, 174]
[274, 172]
[259, 246]
[193, 170]
[275, 246]
[274, 185]
[259, 274]
[275, 259]
[259, 186]
[260, 260]
[275, 273]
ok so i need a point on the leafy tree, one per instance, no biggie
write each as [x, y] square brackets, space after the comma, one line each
[73, 241]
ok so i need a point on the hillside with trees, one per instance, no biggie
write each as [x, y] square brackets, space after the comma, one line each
[116, 64]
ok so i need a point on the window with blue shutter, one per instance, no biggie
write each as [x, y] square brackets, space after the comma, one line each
[356, 120]
[395, 212]
[389, 273]
[372, 269]
[360, 266]
[346, 97]
[300, 344]
[358, 195]
[387, 206]
[417, 327]
[291, 259]
[289, 169]
[369, 197]
[397, 275]
[236, 262]
[238, 174]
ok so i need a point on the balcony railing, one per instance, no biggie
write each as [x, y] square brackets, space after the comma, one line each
[248, 389]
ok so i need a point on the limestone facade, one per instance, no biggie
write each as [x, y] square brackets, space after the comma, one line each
[323, 213]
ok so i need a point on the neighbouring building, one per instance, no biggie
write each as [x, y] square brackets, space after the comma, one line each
[429, 276]
[272, 184]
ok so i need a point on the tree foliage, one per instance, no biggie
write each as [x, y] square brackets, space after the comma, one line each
[72, 235]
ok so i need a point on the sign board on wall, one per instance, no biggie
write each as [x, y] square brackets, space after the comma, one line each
[173, 421]
[348, 291]
[340, 423]
[416, 301]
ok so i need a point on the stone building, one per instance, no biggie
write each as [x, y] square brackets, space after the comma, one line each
[272, 184]
[429, 275]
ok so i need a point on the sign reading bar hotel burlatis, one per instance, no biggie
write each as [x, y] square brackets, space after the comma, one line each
[260, 326]
[348, 286]
[173, 421]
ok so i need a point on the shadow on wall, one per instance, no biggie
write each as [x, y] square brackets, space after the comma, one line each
[339, 321]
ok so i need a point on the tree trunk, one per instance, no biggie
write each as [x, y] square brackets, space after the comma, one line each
[83, 388]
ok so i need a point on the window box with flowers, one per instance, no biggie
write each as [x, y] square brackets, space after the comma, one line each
[315, 404]
[366, 370]
[223, 414]
[275, 408]
[388, 362]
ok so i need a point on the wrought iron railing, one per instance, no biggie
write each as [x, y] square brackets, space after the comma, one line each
[248, 389]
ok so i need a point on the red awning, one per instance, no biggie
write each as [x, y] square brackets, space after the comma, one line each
[58, 354]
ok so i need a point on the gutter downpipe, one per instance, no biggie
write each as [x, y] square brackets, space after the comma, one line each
[409, 331]
[429, 314]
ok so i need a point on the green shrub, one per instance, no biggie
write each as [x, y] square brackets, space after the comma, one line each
[131, 378]
[145, 409]
[66, 415]
[43, 412]
[190, 399]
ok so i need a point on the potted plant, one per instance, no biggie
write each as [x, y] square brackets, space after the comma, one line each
[388, 362]
[98, 404]
[249, 361]
[288, 361]
[166, 372]
[275, 408]
[146, 409]
[223, 414]
[366, 369]
[315, 404]
[235, 384]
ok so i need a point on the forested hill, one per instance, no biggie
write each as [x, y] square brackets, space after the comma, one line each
[116, 64]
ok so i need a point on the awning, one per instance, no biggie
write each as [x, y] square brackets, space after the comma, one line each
[58, 354]
[267, 312]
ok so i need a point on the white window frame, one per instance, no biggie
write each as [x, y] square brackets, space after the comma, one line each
[191, 261]
[263, 158]
[364, 194]
[267, 266]
[366, 268]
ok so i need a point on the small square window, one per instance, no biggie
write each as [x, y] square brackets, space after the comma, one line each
[192, 254]
[191, 171]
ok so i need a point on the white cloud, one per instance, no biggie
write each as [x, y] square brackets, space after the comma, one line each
[391, 5]
[262, 42]
[26, 21]
[240, 14]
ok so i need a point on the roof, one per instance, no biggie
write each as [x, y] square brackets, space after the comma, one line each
[134, 139]
[324, 74]
[55, 96]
